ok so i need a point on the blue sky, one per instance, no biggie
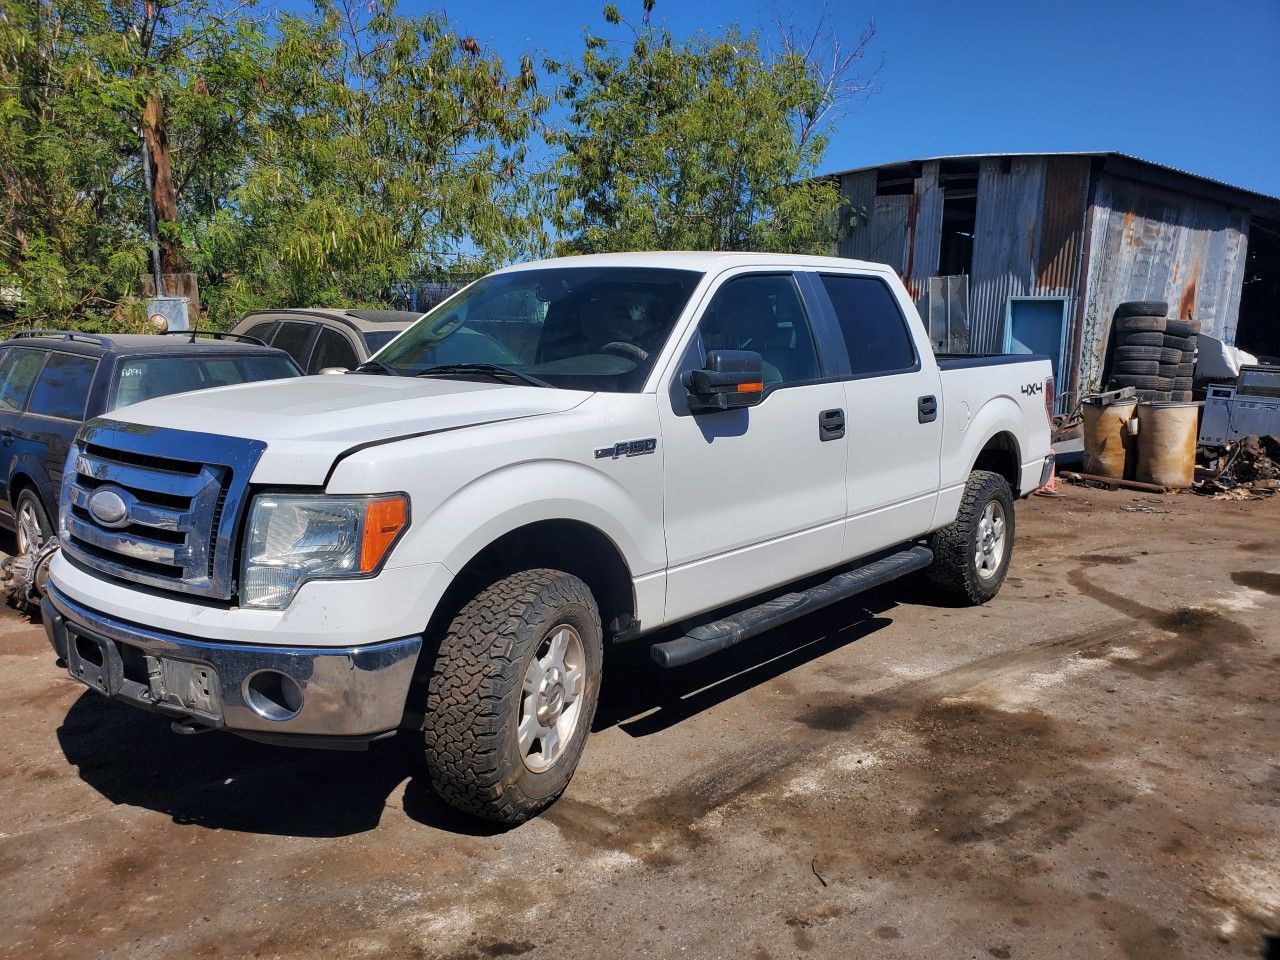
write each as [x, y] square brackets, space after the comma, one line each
[1191, 84]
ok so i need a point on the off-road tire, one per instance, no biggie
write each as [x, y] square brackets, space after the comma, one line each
[1143, 308]
[474, 692]
[954, 573]
[1182, 328]
[1128, 325]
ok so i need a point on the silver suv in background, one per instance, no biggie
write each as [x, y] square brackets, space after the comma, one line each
[321, 338]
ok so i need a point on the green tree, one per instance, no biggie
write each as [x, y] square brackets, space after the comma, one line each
[81, 81]
[704, 144]
[391, 148]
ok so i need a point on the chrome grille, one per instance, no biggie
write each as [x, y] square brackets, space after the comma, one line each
[177, 529]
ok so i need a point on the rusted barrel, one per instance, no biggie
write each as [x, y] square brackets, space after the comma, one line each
[1167, 443]
[1108, 445]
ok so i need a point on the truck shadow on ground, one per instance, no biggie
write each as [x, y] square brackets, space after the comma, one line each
[224, 782]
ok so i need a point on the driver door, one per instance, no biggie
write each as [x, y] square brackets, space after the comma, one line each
[754, 497]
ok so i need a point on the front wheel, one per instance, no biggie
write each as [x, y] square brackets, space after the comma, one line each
[512, 695]
[971, 554]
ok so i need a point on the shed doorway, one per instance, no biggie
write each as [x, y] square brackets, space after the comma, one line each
[1039, 325]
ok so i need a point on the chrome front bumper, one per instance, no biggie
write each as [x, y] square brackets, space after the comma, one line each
[311, 696]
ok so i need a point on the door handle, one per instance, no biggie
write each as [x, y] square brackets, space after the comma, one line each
[830, 425]
[927, 409]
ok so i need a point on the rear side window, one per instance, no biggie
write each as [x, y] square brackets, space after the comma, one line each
[18, 372]
[332, 350]
[875, 332]
[293, 338]
[63, 387]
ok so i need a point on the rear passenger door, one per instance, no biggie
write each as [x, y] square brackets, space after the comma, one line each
[893, 397]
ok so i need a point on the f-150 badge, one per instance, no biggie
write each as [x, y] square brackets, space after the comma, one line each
[628, 448]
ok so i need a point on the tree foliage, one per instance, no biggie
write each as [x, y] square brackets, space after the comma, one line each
[702, 144]
[321, 158]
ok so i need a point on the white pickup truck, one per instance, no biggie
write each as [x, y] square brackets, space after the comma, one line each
[681, 449]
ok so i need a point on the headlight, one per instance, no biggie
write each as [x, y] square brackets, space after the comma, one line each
[292, 539]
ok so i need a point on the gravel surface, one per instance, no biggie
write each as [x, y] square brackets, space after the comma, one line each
[1088, 766]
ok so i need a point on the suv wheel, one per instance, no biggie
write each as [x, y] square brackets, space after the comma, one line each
[33, 526]
[512, 694]
[971, 554]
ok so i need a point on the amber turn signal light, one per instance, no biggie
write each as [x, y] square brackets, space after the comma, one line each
[383, 521]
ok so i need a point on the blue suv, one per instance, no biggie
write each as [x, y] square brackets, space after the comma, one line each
[53, 381]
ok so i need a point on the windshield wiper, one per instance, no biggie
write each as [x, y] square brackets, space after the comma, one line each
[495, 370]
[375, 366]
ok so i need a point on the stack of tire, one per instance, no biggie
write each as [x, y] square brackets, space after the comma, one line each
[1154, 354]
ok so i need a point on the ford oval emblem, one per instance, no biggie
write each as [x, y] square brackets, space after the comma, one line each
[109, 508]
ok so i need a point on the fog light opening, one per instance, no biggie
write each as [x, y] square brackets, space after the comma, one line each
[89, 651]
[273, 695]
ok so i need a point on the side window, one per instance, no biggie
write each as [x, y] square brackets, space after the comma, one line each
[293, 338]
[875, 332]
[332, 349]
[763, 313]
[18, 373]
[63, 387]
[261, 331]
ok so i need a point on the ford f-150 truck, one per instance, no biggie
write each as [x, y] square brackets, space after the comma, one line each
[682, 449]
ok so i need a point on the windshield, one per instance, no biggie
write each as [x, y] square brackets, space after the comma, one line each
[145, 378]
[582, 328]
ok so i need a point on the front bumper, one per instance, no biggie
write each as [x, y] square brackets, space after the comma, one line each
[309, 696]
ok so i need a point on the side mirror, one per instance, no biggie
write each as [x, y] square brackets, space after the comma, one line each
[731, 379]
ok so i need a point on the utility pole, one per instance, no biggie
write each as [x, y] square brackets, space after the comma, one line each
[151, 217]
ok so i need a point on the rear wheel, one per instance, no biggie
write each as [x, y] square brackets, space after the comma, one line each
[971, 554]
[512, 695]
[33, 526]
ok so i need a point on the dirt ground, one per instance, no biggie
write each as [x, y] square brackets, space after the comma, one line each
[1088, 766]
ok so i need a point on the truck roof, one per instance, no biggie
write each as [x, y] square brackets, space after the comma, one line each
[700, 260]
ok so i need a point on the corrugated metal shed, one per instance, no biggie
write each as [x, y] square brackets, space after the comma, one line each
[1147, 243]
[1092, 228]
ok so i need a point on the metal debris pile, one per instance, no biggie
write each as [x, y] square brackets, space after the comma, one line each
[1248, 469]
[22, 577]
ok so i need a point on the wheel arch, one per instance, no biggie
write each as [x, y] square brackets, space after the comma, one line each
[1001, 454]
[572, 546]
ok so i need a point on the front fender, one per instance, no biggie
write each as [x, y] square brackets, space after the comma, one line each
[514, 496]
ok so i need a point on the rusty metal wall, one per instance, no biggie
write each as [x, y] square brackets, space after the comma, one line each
[923, 241]
[1146, 243]
[1027, 238]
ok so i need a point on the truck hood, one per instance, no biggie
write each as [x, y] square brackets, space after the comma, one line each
[307, 422]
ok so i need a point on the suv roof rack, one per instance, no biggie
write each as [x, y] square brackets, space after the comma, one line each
[62, 334]
[215, 334]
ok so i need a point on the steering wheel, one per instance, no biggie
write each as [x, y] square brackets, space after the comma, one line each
[630, 351]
